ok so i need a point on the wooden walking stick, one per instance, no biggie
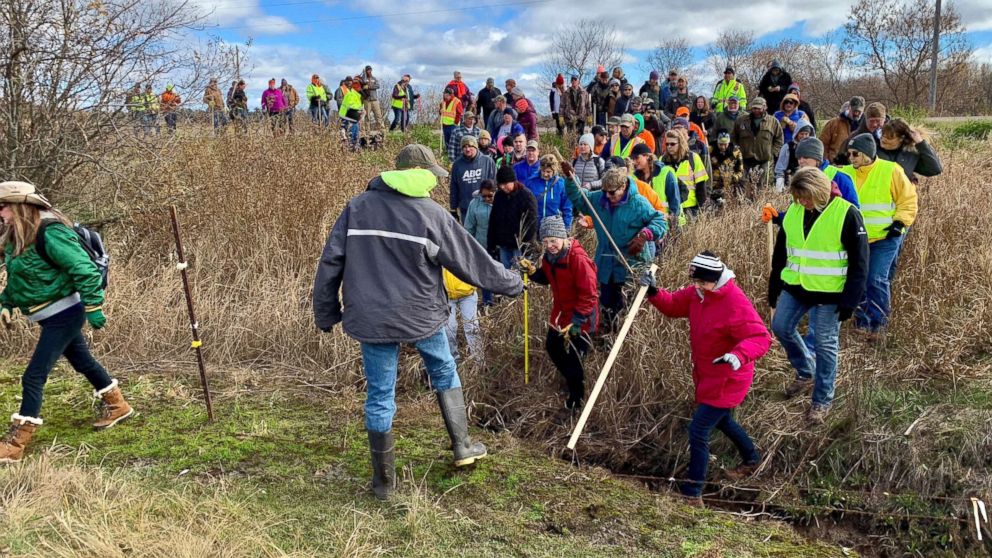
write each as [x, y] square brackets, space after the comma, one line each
[595, 216]
[609, 363]
[194, 326]
[771, 242]
[526, 334]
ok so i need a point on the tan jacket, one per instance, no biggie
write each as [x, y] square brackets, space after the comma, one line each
[291, 96]
[833, 135]
[213, 98]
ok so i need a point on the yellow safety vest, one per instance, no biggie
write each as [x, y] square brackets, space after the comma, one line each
[626, 150]
[875, 195]
[818, 262]
[687, 174]
[448, 113]
[724, 90]
[398, 103]
[658, 185]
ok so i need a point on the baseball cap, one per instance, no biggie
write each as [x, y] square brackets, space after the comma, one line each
[416, 156]
[532, 143]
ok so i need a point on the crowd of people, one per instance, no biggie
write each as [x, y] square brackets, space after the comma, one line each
[398, 268]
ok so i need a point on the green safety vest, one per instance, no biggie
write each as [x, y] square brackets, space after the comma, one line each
[151, 102]
[818, 262]
[398, 103]
[831, 171]
[658, 185]
[691, 174]
[724, 90]
[626, 150]
[136, 103]
[449, 112]
[875, 195]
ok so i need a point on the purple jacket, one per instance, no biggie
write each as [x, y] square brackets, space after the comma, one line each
[273, 101]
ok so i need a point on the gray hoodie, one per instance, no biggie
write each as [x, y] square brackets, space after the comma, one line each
[380, 272]
[466, 177]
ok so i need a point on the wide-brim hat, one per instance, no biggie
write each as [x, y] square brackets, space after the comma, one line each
[14, 191]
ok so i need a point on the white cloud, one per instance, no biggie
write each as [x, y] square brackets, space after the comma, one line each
[247, 16]
[976, 15]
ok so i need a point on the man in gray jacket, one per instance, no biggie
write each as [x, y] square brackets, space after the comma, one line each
[467, 174]
[385, 255]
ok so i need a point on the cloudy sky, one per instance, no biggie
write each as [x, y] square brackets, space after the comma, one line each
[500, 38]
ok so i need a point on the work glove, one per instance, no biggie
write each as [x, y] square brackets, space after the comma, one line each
[6, 317]
[526, 266]
[731, 359]
[780, 184]
[94, 315]
[454, 213]
[895, 229]
[844, 314]
[637, 243]
[566, 168]
[647, 280]
[768, 212]
[585, 222]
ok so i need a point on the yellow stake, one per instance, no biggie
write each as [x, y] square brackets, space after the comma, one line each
[526, 335]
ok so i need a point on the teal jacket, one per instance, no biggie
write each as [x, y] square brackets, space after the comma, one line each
[477, 219]
[623, 222]
[33, 284]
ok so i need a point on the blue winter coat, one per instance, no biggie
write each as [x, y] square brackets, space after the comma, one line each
[623, 222]
[551, 198]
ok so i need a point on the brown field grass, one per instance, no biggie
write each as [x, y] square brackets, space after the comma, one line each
[256, 212]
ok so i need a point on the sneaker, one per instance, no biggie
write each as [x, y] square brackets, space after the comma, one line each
[797, 387]
[817, 414]
[741, 472]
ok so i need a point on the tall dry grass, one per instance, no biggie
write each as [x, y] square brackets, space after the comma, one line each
[256, 212]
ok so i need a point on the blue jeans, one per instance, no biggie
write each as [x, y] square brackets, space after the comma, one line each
[318, 115]
[220, 119]
[351, 127]
[447, 130]
[399, 119]
[468, 307]
[380, 360]
[507, 256]
[820, 364]
[704, 420]
[873, 314]
[61, 335]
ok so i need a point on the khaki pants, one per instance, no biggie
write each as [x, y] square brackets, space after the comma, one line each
[372, 108]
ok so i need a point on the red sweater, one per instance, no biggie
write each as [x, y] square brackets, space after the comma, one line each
[722, 321]
[574, 289]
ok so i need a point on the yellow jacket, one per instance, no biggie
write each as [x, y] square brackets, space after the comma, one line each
[456, 287]
[903, 192]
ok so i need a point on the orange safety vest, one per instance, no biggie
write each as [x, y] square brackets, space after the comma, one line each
[449, 112]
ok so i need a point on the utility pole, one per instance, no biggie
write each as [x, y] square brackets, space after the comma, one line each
[933, 59]
[237, 60]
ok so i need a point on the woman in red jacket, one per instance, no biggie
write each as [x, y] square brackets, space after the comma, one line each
[570, 272]
[726, 336]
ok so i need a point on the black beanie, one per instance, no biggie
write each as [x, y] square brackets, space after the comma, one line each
[505, 174]
[706, 267]
[864, 143]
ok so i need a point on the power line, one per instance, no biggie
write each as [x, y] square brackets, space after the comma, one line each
[371, 16]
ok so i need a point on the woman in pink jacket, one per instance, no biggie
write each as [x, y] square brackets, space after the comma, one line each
[726, 336]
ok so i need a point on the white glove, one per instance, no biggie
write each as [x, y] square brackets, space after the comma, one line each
[731, 359]
[6, 318]
[780, 184]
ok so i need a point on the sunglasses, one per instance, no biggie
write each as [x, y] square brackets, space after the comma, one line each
[852, 154]
[612, 192]
[671, 144]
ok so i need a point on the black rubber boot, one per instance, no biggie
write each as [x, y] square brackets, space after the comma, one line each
[381, 445]
[452, 404]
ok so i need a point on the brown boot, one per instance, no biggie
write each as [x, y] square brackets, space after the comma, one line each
[21, 430]
[115, 409]
[797, 387]
[741, 472]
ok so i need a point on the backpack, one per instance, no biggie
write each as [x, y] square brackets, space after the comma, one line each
[91, 242]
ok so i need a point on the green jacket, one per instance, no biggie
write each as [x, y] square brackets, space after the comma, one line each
[32, 282]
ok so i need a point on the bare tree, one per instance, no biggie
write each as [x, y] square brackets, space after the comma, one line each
[735, 48]
[894, 39]
[579, 47]
[671, 54]
[64, 66]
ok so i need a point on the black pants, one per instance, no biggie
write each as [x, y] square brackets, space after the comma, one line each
[578, 125]
[60, 335]
[559, 123]
[567, 356]
[612, 302]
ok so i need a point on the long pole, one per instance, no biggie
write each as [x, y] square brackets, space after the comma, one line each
[193, 325]
[606, 232]
[609, 363]
[934, 56]
[526, 334]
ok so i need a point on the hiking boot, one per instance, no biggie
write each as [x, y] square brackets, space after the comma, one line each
[741, 472]
[798, 386]
[452, 404]
[115, 409]
[13, 443]
[817, 414]
[381, 445]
